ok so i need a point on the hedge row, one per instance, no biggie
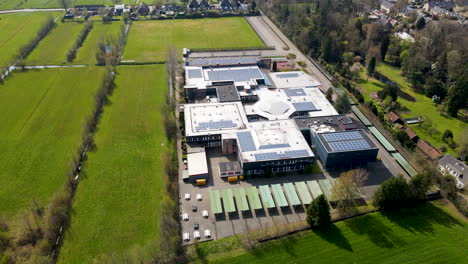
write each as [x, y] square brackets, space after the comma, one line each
[71, 55]
[43, 31]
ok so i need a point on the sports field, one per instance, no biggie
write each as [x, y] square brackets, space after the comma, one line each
[16, 30]
[149, 40]
[42, 119]
[117, 204]
[87, 52]
[52, 50]
[427, 234]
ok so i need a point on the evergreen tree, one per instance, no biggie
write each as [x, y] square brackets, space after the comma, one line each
[342, 104]
[441, 69]
[420, 23]
[318, 213]
[371, 67]
[458, 93]
[384, 46]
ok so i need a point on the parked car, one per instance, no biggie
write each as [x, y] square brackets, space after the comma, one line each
[186, 236]
[196, 225]
[205, 213]
[199, 197]
[196, 235]
[194, 208]
[207, 233]
[187, 196]
[185, 217]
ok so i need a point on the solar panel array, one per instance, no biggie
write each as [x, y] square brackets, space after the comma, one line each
[340, 146]
[273, 146]
[216, 125]
[340, 136]
[287, 75]
[195, 73]
[286, 155]
[246, 142]
[305, 106]
[237, 75]
[223, 61]
[294, 92]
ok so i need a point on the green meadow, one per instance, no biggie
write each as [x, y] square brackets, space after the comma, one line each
[43, 117]
[117, 204]
[149, 40]
[18, 29]
[429, 233]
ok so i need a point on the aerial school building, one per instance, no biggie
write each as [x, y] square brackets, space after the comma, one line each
[269, 120]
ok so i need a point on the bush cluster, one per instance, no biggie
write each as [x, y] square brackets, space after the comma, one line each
[71, 54]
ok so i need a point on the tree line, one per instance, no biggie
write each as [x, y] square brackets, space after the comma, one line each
[71, 54]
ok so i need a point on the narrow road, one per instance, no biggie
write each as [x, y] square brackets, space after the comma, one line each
[31, 10]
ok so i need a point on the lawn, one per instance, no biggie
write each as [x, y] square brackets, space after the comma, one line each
[17, 30]
[20, 4]
[117, 204]
[87, 52]
[149, 40]
[426, 234]
[52, 50]
[42, 119]
[418, 105]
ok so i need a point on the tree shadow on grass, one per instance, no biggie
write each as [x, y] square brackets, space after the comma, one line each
[376, 231]
[422, 218]
[334, 236]
[287, 245]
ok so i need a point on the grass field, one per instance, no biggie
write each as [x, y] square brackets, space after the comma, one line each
[16, 30]
[52, 50]
[426, 234]
[418, 105]
[87, 52]
[148, 40]
[21, 4]
[117, 204]
[42, 119]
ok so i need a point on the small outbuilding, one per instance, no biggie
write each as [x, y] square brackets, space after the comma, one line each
[228, 169]
[394, 118]
[197, 166]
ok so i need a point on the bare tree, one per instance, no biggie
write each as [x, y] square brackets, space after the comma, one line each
[345, 190]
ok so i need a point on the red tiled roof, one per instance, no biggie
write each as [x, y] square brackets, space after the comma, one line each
[410, 133]
[429, 150]
[392, 117]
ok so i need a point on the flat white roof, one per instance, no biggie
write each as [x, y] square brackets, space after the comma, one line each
[214, 118]
[197, 164]
[201, 77]
[272, 140]
[280, 104]
[293, 79]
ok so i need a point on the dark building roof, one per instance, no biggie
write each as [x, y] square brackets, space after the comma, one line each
[458, 166]
[339, 122]
[193, 4]
[224, 61]
[428, 149]
[225, 3]
[229, 166]
[393, 118]
[346, 141]
[444, 4]
[204, 3]
[227, 93]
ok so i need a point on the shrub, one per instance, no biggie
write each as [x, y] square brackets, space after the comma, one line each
[79, 41]
[318, 213]
[393, 193]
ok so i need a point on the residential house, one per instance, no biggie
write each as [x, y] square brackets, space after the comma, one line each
[226, 5]
[193, 5]
[119, 9]
[450, 165]
[143, 9]
[386, 6]
[204, 5]
[411, 135]
[448, 5]
[235, 4]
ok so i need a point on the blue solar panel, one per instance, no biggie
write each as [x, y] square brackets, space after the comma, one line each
[294, 92]
[216, 125]
[223, 61]
[273, 146]
[340, 136]
[350, 145]
[286, 155]
[305, 106]
[237, 75]
[246, 142]
[287, 75]
[195, 73]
